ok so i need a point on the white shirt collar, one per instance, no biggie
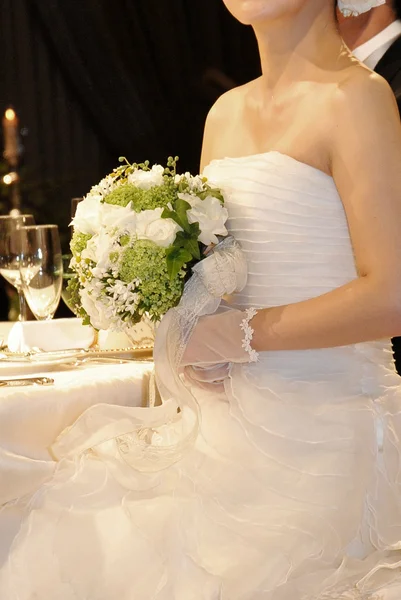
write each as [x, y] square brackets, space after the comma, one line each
[372, 51]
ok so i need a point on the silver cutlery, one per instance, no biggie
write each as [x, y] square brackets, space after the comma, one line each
[26, 381]
[100, 360]
[74, 355]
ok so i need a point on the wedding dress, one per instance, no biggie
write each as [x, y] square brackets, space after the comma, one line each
[291, 489]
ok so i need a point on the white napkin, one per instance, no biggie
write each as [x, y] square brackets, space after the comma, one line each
[57, 334]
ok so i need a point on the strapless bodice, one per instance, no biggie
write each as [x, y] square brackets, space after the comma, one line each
[291, 223]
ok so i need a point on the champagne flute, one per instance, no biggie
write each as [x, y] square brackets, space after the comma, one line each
[41, 268]
[68, 273]
[9, 255]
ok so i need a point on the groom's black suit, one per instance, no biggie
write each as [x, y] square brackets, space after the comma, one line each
[389, 67]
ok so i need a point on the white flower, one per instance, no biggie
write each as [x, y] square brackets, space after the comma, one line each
[123, 296]
[104, 187]
[86, 219]
[196, 183]
[93, 307]
[150, 226]
[123, 217]
[147, 179]
[210, 214]
[98, 250]
[90, 251]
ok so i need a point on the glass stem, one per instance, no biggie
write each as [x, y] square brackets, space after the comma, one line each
[23, 306]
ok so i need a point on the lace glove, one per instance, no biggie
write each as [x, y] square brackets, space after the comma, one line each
[207, 378]
[218, 339]
[223, 271]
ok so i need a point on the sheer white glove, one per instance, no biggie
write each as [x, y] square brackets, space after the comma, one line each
[223, 271]
[207, 378]
[218, 339]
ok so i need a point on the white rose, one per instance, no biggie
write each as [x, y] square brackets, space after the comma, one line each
[150, 226]
[190, 198]
[147, 179]
[123, 217]
[162, 232]
[211, 216]
[86, 219]
[94, 309]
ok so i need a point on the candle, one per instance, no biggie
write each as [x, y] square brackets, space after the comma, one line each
[10, 178]
[10, 133]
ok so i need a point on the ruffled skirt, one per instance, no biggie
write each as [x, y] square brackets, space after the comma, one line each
[291, 491]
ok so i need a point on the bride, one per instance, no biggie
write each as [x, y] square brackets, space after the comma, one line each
[291, 489]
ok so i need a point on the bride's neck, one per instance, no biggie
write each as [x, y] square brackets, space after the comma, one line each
[294, 48]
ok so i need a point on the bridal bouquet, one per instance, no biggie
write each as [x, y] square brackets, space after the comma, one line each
[136, 236]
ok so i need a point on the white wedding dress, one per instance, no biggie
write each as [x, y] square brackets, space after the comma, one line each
[292, 488]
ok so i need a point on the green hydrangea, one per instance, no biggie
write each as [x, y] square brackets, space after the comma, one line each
[73, 299]
[155, 197]
[78, 242]
[147, 262]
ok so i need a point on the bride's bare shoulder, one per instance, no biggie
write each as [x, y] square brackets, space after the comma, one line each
[224, 114]
[365, 131]
[362, 95]
[232, 101]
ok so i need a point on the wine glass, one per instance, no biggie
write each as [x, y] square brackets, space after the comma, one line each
[9, 255]
[68, 274]
[41, 268]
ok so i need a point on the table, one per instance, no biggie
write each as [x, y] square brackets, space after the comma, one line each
[5, 327]
[32, 417]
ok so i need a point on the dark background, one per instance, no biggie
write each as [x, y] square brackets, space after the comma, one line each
[92, 80]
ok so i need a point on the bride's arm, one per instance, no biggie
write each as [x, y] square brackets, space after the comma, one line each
[366, 166]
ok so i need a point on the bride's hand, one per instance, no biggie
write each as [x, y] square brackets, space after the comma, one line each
[221, 338]
[224, 270]
[208, 378]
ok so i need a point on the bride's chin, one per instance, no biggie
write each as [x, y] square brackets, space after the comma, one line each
[249, 12]
[253, 12]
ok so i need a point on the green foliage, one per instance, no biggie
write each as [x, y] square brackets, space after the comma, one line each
[78, 242]
[186, 246]
[124, 240]
[123, 195]
[211, 192]
[74, 300]
[147, 262]
[176, 259]
[155, 197]
[189, 241]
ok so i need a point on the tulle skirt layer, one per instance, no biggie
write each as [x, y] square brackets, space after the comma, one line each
[290, 492]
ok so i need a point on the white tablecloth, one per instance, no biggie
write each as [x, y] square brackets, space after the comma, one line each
[32, 417]
[5, 327]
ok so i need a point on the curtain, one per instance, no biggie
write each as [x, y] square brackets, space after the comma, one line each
[92, 80]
